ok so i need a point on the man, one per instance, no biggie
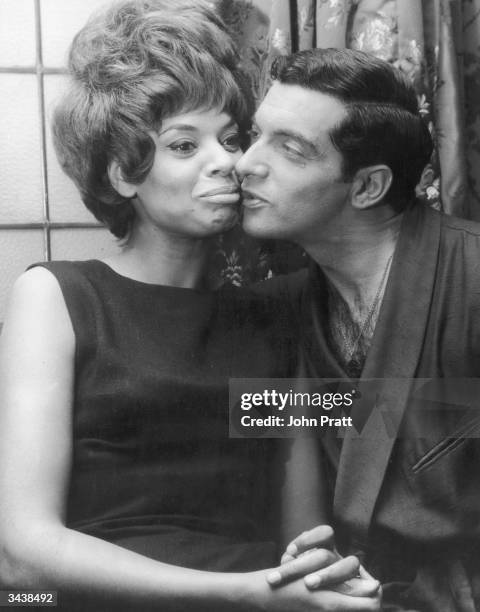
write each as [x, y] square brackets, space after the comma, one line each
[338, 147]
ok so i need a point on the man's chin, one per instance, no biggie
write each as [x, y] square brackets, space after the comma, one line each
[255, 227]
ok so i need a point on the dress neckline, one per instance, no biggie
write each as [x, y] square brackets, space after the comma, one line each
[138, 283]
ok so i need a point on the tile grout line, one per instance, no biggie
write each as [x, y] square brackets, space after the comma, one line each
[41, 109]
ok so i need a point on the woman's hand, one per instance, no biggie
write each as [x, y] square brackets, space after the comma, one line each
[295, 596]
[312, 555]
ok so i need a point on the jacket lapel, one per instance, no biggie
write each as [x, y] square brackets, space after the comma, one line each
[394, 354]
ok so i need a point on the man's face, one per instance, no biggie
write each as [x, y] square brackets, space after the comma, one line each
[292, 173]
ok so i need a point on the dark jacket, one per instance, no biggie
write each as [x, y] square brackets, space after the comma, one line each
[407, 490]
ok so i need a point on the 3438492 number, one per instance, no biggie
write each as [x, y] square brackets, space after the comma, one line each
[30, 598]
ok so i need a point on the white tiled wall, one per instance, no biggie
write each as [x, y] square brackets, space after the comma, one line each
[61, 20]
[17, 33]
[21, 153]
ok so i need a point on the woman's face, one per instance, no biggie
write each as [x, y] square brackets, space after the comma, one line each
[191, 189]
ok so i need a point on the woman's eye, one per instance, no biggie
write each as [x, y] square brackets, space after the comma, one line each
[184, 147]
[232, 142]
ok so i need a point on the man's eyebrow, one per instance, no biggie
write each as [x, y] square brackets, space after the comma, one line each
[305, 142]
[300, 138]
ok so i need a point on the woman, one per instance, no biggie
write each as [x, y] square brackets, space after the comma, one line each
[119, 485]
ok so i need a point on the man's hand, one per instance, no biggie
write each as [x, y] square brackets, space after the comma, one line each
[321, 536]
[312, 555]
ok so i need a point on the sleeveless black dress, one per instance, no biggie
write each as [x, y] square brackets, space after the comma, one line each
[153, 467]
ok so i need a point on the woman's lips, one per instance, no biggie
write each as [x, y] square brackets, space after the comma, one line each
[228, 194]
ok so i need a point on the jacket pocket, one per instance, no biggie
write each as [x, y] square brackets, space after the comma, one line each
[469, 429]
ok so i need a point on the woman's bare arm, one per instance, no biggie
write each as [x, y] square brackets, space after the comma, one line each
[39, 551]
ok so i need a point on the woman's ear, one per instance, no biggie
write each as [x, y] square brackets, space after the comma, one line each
[115, 174]
[370, 185]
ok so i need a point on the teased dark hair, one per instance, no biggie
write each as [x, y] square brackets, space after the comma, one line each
[132, 65]
[382, 123]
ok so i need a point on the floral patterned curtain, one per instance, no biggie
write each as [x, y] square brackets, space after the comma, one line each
[435, 42]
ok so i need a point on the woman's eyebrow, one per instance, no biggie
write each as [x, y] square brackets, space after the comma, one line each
[188, 127]
[229, 124]
[185, 127]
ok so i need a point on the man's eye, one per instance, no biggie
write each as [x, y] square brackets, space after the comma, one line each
[231, 143]
[254, 135]
[184, 147]
[292, 150]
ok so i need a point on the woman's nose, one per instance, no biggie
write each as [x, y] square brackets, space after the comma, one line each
[222, 162]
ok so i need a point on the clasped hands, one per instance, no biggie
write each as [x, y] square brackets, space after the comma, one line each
[313, 557]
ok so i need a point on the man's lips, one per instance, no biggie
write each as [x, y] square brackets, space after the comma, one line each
[250, 199]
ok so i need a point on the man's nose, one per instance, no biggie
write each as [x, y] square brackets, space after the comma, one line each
[251, 164]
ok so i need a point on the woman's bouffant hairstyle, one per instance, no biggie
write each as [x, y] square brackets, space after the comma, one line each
[132, 65]
[382, 123]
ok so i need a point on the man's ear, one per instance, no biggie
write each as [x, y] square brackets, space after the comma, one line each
[115, 174]
[370, 186]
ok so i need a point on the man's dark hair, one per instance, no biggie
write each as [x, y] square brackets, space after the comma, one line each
[382, 124]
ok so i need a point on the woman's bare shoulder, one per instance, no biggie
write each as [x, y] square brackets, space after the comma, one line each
[36, 309]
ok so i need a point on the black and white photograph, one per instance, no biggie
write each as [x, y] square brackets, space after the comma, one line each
[240, 305]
